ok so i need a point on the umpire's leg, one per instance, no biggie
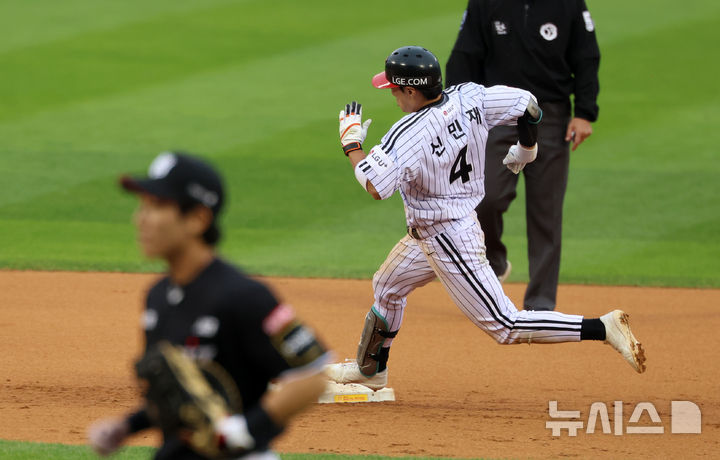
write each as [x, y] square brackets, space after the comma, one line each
[500, 186]
[545, 183]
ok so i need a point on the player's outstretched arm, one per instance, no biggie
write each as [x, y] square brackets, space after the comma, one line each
[293, 396]
[277, 407]
[352, 135]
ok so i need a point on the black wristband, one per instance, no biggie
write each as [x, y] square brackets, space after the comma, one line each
[261, 427]
[351, 147]
[527, 130]
[139, 421]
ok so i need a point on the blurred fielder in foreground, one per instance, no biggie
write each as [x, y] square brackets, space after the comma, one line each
[214, 337]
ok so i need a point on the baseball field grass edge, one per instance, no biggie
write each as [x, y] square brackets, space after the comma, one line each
[640, 207]
[20, 450]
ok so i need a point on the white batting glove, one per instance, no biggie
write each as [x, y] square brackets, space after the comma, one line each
[234, 433]
[518, 156]
[352, 130]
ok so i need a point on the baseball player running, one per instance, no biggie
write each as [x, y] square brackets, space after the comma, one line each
[434, 156]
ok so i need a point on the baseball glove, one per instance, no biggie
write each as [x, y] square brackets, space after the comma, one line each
[188, 400]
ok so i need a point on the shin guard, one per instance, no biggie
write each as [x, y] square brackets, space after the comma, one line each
[373, 335]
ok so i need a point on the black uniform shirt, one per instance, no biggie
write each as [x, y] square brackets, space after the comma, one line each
[547, 47]
[226, 317]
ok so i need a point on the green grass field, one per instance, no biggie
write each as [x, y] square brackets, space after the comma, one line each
[93, 89]
[10, 450]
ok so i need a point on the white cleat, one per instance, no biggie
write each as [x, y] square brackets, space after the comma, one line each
[619, 335]
[349, 372]
[506, 273]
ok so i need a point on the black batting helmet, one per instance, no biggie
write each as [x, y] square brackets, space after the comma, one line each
[410, 66]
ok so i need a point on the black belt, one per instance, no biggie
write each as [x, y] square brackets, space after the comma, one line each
[414, 233]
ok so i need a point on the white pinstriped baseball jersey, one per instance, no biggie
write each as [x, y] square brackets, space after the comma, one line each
[435, 157]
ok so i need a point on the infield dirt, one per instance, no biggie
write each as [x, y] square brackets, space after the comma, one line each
[69, 340]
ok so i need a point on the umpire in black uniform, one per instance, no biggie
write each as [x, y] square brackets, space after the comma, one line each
[549, 48]
[214, 313]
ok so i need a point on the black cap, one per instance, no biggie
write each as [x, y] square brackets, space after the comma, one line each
[180, 177]
[410, 66]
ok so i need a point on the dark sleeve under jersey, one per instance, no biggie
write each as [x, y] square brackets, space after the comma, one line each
[139, 420]
[278, 341]
[466, 62]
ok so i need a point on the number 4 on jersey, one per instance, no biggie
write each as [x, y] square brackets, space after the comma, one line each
[461, 168]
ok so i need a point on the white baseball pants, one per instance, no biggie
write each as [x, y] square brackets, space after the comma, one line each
[457, 258]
